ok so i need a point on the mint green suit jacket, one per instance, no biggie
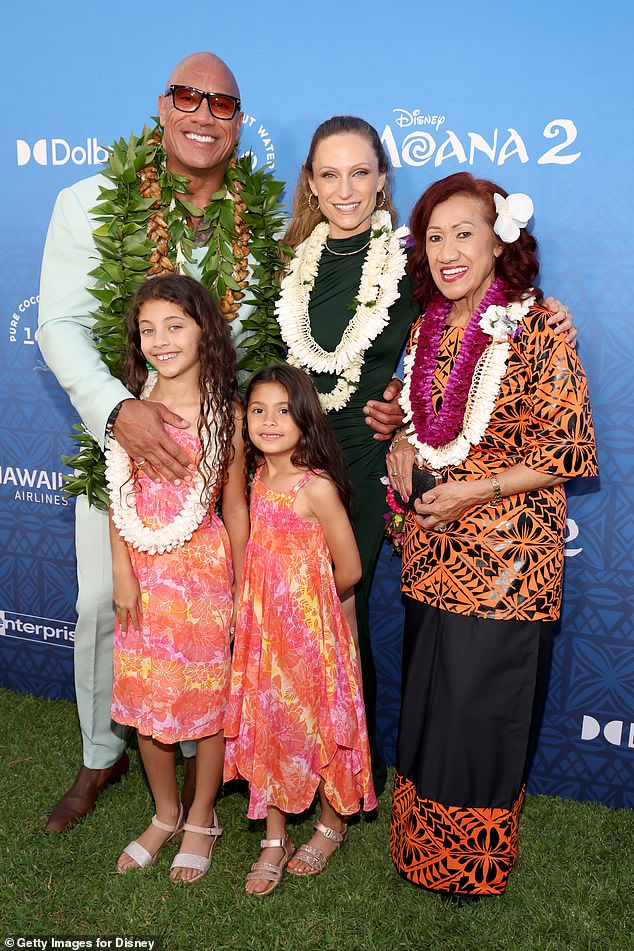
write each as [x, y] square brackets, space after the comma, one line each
[66, 307]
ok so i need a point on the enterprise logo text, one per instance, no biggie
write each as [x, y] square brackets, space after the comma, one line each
[43, 630]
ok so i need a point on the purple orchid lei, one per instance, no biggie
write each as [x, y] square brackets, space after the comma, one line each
[439, 430]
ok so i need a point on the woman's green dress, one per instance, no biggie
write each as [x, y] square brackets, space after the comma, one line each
[331, 309]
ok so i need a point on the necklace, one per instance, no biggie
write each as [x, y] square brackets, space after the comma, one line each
[123, 503]
[176, 228]
[144, 229]
[347, 254]
[473, 383]
[378, 289]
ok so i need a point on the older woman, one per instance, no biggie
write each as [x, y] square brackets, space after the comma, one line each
[497, 418]
[345, 312]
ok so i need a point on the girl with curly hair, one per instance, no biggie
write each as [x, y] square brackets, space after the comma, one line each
[176, 564]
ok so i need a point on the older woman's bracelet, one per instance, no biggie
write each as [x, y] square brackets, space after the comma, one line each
[398, 438]
[497, 492]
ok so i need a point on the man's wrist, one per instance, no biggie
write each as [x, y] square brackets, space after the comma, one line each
[112, 418]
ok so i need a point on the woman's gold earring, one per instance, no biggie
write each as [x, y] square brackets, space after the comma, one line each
[381, 203]
[310, 198]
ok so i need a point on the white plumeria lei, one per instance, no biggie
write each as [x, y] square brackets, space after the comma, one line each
[500, 323]
[383, 268]
[123, 502]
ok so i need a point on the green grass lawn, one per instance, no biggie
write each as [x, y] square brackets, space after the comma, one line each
[572, 888]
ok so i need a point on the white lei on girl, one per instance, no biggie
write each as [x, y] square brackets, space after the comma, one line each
[382, 270]
[123, 500]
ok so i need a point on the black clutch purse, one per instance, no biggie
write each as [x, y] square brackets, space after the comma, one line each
[422, 481]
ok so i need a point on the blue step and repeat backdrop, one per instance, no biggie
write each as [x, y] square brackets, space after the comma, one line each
[536, 96]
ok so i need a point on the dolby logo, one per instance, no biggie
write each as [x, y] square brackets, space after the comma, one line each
[61, 152]
[616, 732]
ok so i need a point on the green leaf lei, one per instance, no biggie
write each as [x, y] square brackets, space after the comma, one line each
[127, 252]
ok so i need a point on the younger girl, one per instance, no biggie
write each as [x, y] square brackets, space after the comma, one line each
[172, 563]
[296, 723]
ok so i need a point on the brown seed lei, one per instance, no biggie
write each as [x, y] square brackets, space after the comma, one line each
[230, 302]
[158, 235]
[150, 236]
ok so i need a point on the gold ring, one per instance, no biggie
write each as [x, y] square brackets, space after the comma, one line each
[439, 529]
[394, 473]
[141, 463]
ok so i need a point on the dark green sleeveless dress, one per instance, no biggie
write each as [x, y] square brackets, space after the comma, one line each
[336, 286]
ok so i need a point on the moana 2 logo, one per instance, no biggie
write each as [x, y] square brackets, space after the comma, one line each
[430, 143]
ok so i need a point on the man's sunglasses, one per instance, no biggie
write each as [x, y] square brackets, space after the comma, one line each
[188, 99]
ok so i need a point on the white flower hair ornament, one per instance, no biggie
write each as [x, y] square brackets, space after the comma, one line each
[513, 213]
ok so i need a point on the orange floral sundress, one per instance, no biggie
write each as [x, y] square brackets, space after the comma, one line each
[296, 712]
[171, 679]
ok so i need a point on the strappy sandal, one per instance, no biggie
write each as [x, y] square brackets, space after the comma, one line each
[200, 863]
[139, 854]
[316, 858]
[266, 870]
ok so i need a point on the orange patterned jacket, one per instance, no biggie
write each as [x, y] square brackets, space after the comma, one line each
[506, 561]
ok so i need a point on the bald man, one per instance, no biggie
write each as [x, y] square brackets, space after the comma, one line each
[200, 115]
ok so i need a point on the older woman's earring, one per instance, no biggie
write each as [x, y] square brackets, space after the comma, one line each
[310, 198]
[381, 203]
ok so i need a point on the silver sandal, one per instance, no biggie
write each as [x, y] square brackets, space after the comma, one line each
[266, 870]
[139, 854]
[201, 863]
[316, 858]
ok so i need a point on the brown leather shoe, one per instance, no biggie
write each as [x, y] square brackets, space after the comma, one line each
[82, 796]
[189, 783]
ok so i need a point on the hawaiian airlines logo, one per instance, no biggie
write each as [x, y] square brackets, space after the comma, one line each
[430, 142]
[37, 486]
[42, 630]
[61, 152]
[616, 732]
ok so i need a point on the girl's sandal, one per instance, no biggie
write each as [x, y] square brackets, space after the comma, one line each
[200, 863]
[266, 870]
[139, 854]
[316, 858]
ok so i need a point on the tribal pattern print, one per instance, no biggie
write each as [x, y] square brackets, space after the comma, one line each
[505, 561]
[466, 850]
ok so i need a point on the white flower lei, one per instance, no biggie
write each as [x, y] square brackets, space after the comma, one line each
[499, 322]
[123, 502]
[383, 268]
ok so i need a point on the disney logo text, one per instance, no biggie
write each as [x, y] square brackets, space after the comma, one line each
[406, 118]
